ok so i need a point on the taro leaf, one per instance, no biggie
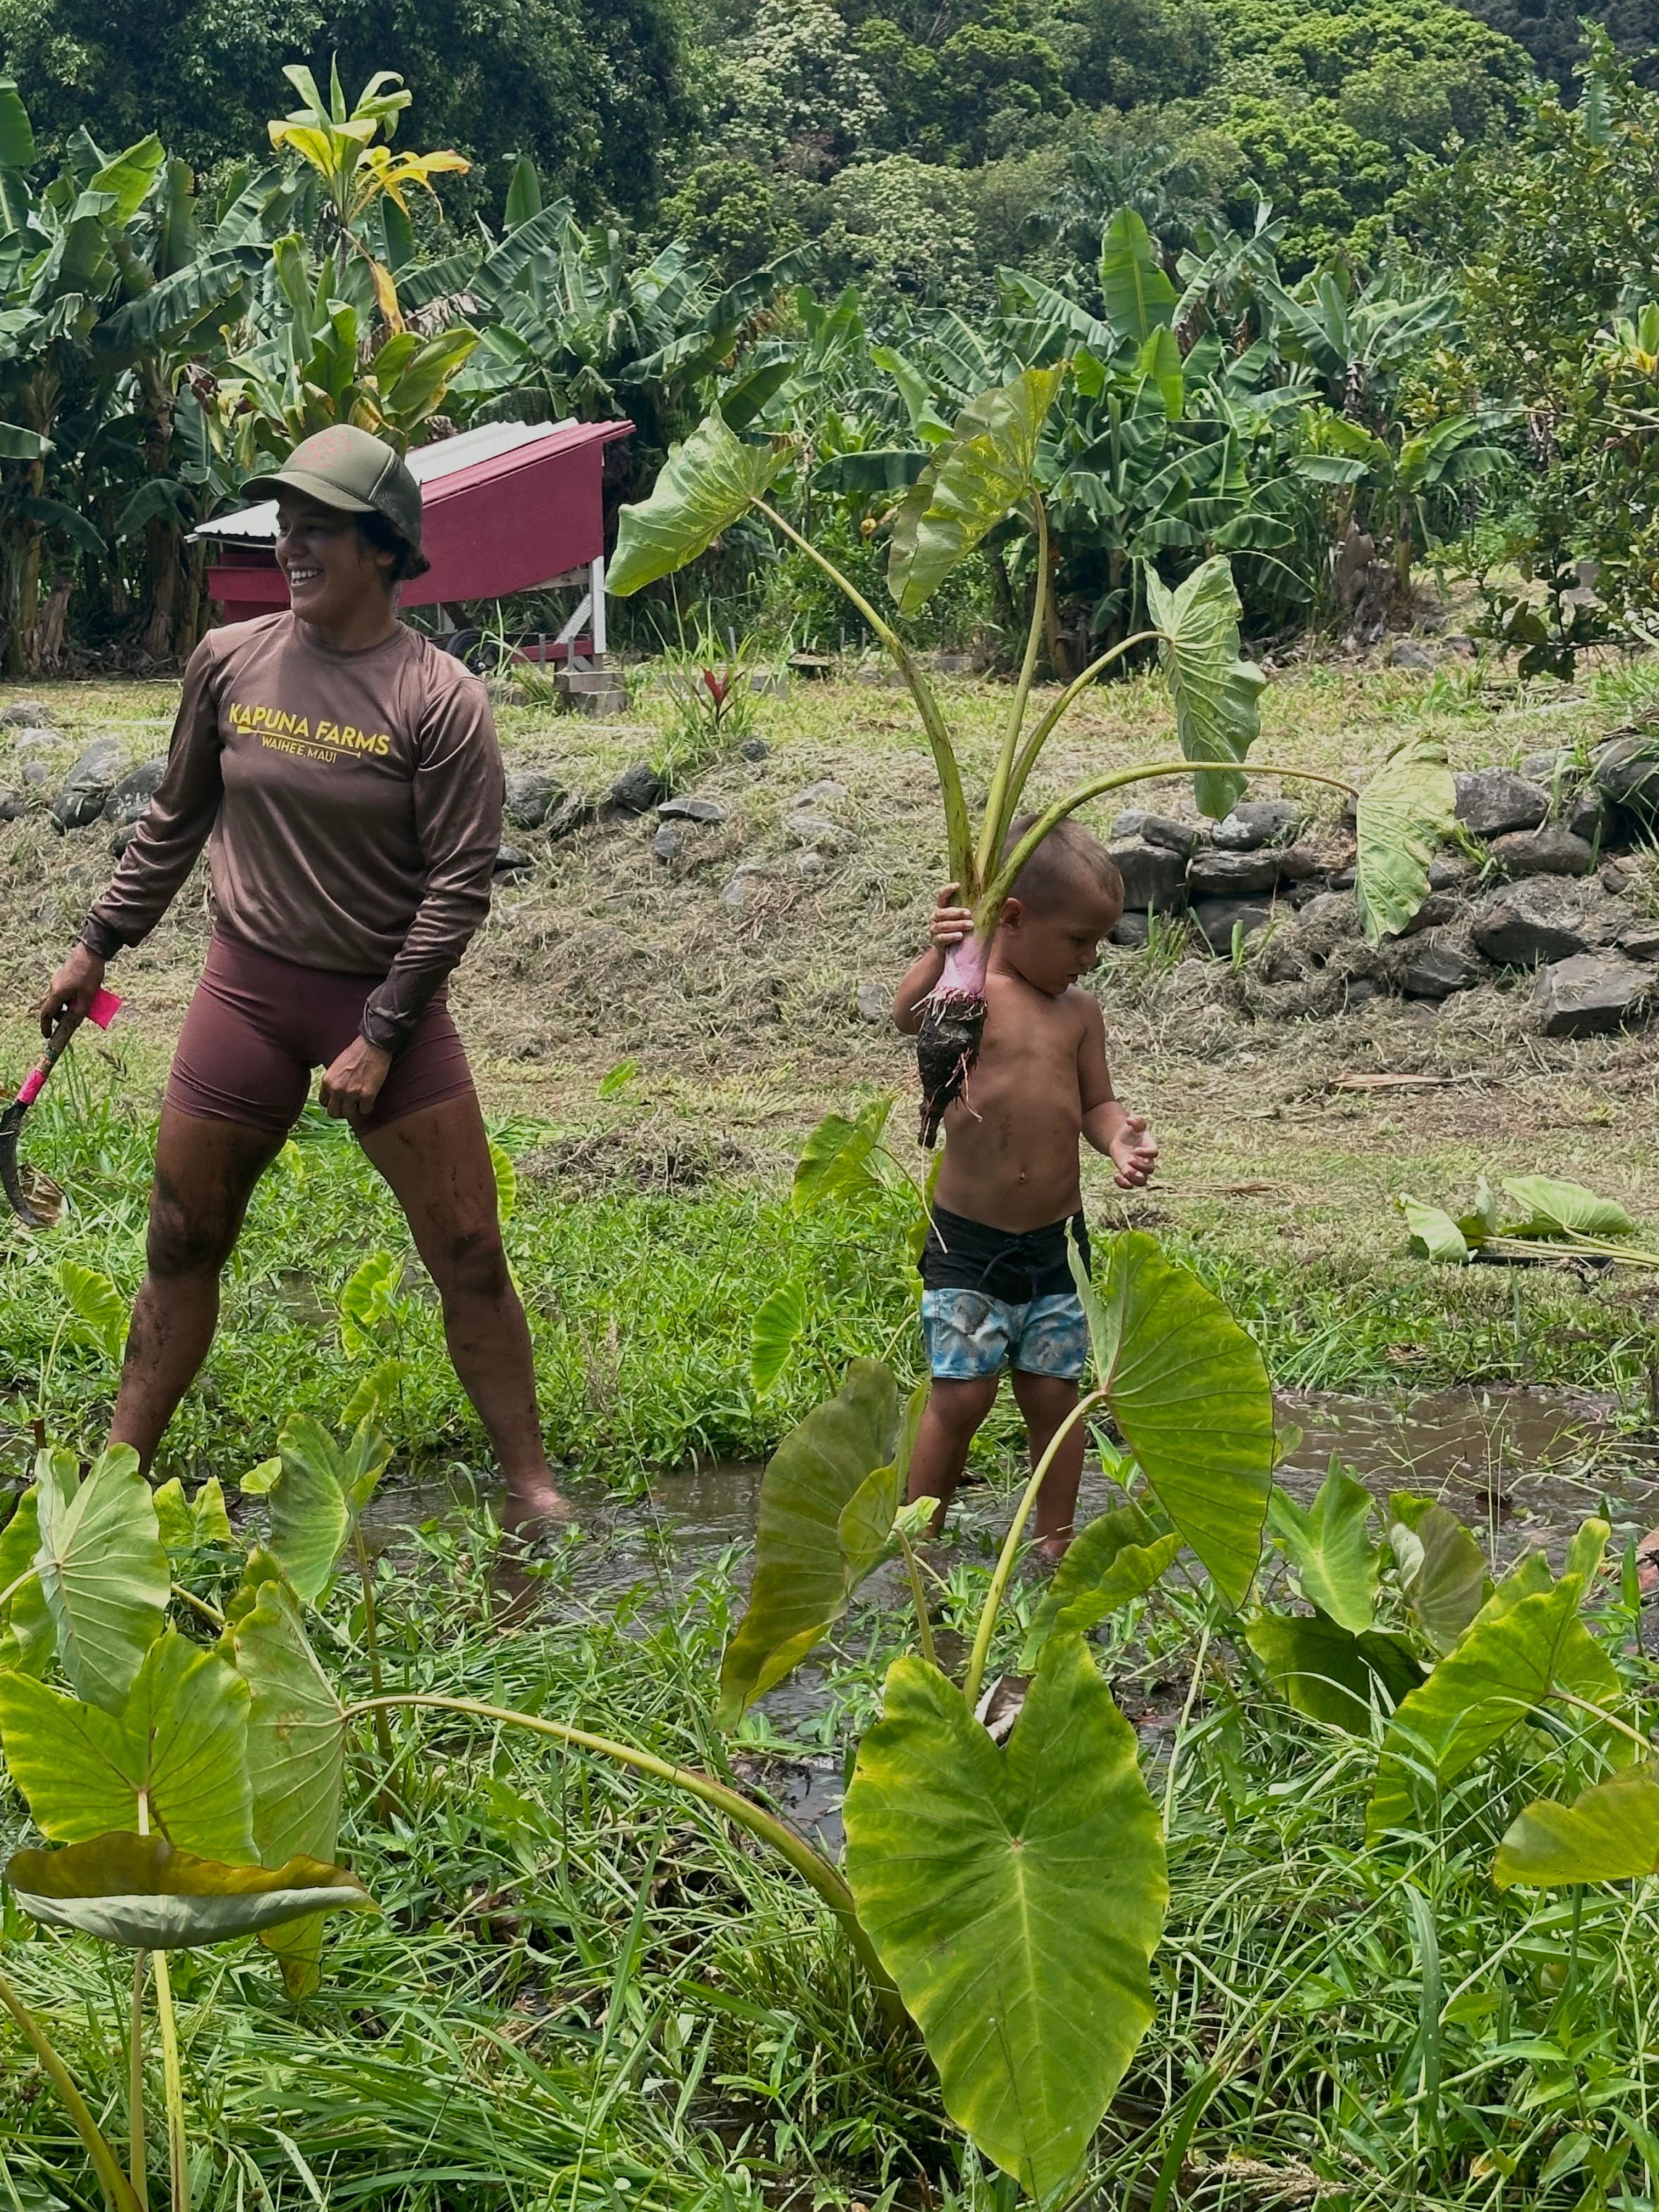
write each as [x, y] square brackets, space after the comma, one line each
[1016, 1896]
[1503, 1669]
[194, 1524]
[776, 1330]
[139, 1891]
[26, 1632]
[1135, 286]
[1405, 811]
[316, 1499]
[1214, 692]
[835, 1161]
[1442, 1569]
[103, 1570]
[1588, 1550]
[1327, 1544]
[1608, 1833]
[366, 1300]
[1480, 1222]
[1115, 1559]
[866, 1527]
[97, 1305]
[1330, 1673]
[801, 1584]
[981, 471]
[1551, 1207]
[1434, 1235]
[180, 1740]
[295, 1758]
[703, 487]
[1187, 1389]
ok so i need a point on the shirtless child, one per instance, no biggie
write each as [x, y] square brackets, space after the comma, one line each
[997, 1283]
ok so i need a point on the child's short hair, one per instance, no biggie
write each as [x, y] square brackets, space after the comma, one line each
[1067, 856]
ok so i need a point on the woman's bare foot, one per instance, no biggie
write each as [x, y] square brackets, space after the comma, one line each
[535, 1505]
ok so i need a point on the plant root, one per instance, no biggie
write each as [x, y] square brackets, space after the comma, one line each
[946, 1052]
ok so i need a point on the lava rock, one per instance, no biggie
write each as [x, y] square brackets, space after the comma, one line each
[1439, 966]
[1590, 816]
[1617, 877]
[88, 786]
[1217, 918]
[811, 863]
[1544, 767]
[1212, 875]
[34, 773]
[1403, 654]
[754, 749]
[531, 794]
[1640, 940]
[1591, 991]
[12, 808]
[134, 792]
[26, 715]
[1154, 879]
[1627, 769]
[1361, 987]
[637, 789]
[826, 793]
[1132, 931]
[873, 1004]
[1492, 801]
[1299, 864]
[1257, 822]
[1436, 909]
[739, 883]
[36, 741]
[1536, 919]
[1550, 850]
[1166, 829]
[572, 810]
[820, 832]
[510, 861]
[1447, 870]
[708, 811]
[666, 842]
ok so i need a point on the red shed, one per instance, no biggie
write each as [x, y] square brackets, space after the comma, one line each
[510, 507]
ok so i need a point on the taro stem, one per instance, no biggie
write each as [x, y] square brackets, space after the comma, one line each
[814, 1868]
[172, 2079]
[105, 2164]
[136, 2155]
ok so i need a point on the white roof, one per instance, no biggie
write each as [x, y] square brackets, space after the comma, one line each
[427, 464]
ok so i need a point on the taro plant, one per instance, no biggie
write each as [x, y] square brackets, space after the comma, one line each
[989, 468]
[186, 1767]
[1553, 1220]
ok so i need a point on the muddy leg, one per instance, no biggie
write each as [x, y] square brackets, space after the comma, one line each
[1045, 1401]
[955, 1410]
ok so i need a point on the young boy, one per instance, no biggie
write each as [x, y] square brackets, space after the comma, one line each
[997, 1283]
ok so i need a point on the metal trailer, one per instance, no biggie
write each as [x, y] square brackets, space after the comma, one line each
[510, 507]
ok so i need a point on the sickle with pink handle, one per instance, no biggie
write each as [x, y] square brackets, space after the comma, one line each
[102, 1012]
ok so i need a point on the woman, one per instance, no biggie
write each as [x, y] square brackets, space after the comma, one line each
[346, 776]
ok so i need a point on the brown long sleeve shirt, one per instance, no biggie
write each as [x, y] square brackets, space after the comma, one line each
[351, 801]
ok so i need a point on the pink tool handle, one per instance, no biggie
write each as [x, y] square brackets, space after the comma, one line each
[104, 1008]
[34, 1083]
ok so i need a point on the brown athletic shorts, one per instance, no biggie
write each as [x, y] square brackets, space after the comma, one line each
[258, 1026]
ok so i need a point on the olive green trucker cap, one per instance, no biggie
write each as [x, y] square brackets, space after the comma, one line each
[348, 469]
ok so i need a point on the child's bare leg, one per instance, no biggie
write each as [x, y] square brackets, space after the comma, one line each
[954, 1412]
[1045, 1401]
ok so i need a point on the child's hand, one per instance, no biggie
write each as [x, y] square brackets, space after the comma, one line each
[1133, 1153]
[949, 924]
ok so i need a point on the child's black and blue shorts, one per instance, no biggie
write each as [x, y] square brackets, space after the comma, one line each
[996, 1295]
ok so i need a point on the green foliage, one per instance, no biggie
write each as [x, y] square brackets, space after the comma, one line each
[142, 1892]
[1113, 1560]
[1404, 812]
[1214, 692]
[804, 1576]
[984, 469]
[1329, 1550]
[1610, 1832]
[1189, 1393]
[705, 486]
[316, 1499]
[1015, 1894]
[103, 1570]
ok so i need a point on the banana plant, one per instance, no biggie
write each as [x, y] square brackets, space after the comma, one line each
[190, 1791]
[357, 175]
[986, 470]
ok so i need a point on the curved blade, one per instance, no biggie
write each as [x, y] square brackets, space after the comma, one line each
[11, 1124]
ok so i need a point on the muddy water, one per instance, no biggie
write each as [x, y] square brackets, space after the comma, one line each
[1521, 1467]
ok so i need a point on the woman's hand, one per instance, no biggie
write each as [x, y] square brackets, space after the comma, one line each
[352, 1084]
[949, 924]
[72, 989]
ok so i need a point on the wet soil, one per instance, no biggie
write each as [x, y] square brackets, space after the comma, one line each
[1523, 1468]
